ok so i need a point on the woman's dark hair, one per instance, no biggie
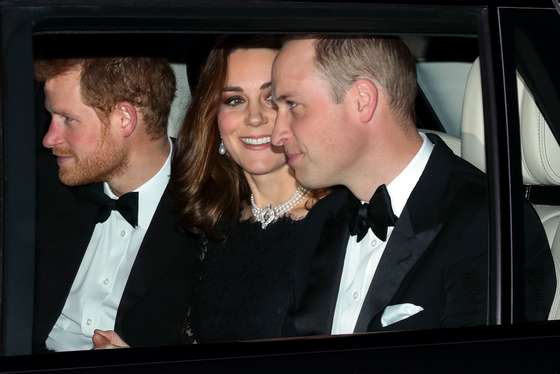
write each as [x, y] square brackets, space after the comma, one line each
[208, 187]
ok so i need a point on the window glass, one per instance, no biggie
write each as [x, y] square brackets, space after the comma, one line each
[530, 34]
[448, 83]
[431, 273]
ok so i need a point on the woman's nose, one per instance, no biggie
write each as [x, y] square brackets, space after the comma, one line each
[257, 117]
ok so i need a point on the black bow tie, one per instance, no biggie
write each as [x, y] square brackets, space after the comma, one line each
[126, 205]
[377, 215]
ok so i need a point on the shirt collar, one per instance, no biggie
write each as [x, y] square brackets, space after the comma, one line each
[150, 192]
[401, 187]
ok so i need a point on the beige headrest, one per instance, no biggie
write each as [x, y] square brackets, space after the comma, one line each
[540, 151]
[180, 101]
[472, 121]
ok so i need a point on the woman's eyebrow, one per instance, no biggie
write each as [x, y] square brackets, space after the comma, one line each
[232, 88]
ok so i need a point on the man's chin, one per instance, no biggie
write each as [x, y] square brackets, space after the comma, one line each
[70, 181]
[310, 181]
[304, 181]
[74, 179]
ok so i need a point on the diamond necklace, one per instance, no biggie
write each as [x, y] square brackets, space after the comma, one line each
[269, 214]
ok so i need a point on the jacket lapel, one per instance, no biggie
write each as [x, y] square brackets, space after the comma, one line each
[418, 226]
[77, 234]
[401, 254]
[63, 234]
[151, 263]
[314, 314]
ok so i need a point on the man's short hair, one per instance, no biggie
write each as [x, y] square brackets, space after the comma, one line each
[342, 60]
[147, 83]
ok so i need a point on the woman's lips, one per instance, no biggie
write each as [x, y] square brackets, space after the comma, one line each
[256, 142]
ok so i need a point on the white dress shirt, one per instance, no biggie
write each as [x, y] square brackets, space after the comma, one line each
[96, 292]
[362, 258]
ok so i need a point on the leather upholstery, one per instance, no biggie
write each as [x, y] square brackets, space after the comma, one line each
[540, 155]
[472, 126]
[541, 152]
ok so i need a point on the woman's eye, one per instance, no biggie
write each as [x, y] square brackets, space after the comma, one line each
[268, 100]
[234, 101]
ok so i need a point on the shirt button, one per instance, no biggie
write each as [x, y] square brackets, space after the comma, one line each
[356, 295]
[123, 233]
[373, 242]
[106, 281]
[88, 322]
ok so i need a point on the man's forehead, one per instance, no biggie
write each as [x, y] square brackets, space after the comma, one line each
[69, 78]
[306, 43]
[300, 49]
[62, 91]
[294, 59]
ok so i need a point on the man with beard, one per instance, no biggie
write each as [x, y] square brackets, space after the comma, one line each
[110, 255]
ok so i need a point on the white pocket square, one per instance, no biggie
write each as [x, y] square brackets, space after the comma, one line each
[395, 313]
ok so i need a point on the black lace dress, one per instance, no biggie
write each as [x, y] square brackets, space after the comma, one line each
[247, 285]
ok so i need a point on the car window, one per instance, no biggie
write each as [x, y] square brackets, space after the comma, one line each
[537, 80]
[443, 70]
[447, 67]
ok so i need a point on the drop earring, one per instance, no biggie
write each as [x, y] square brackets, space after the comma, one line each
[222, 148]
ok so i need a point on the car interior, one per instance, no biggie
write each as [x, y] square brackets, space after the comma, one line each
[540, 155]
[449, 103]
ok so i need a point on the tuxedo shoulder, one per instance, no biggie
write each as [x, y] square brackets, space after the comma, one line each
[468, 195]
[333, 202]
[459, 202]
[469, 172]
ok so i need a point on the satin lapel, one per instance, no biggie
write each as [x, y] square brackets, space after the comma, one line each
[83, 227]
[401, 254]
[74, 231]
[419, 224]
[161, 241]
[163, 238]
[314, 315]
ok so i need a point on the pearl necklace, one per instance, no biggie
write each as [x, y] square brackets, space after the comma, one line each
[269, 214]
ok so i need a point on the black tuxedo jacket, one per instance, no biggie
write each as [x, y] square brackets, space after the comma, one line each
[155, 300]
[436, 257]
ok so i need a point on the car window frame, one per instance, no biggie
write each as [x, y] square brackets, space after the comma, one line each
[19, 23]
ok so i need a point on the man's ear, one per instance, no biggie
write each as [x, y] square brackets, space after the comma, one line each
[365, 97]
[126, 117]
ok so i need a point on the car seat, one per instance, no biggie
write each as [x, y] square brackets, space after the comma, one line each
[540, 156]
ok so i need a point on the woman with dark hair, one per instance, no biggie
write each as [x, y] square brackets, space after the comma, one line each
[258, 226]
[237, 191]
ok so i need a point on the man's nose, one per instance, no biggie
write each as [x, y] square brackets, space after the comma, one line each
[53, 135]
[280, 132]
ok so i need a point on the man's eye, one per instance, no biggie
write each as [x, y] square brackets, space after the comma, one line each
[69, 121]
[234, 101]
[291, 104]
